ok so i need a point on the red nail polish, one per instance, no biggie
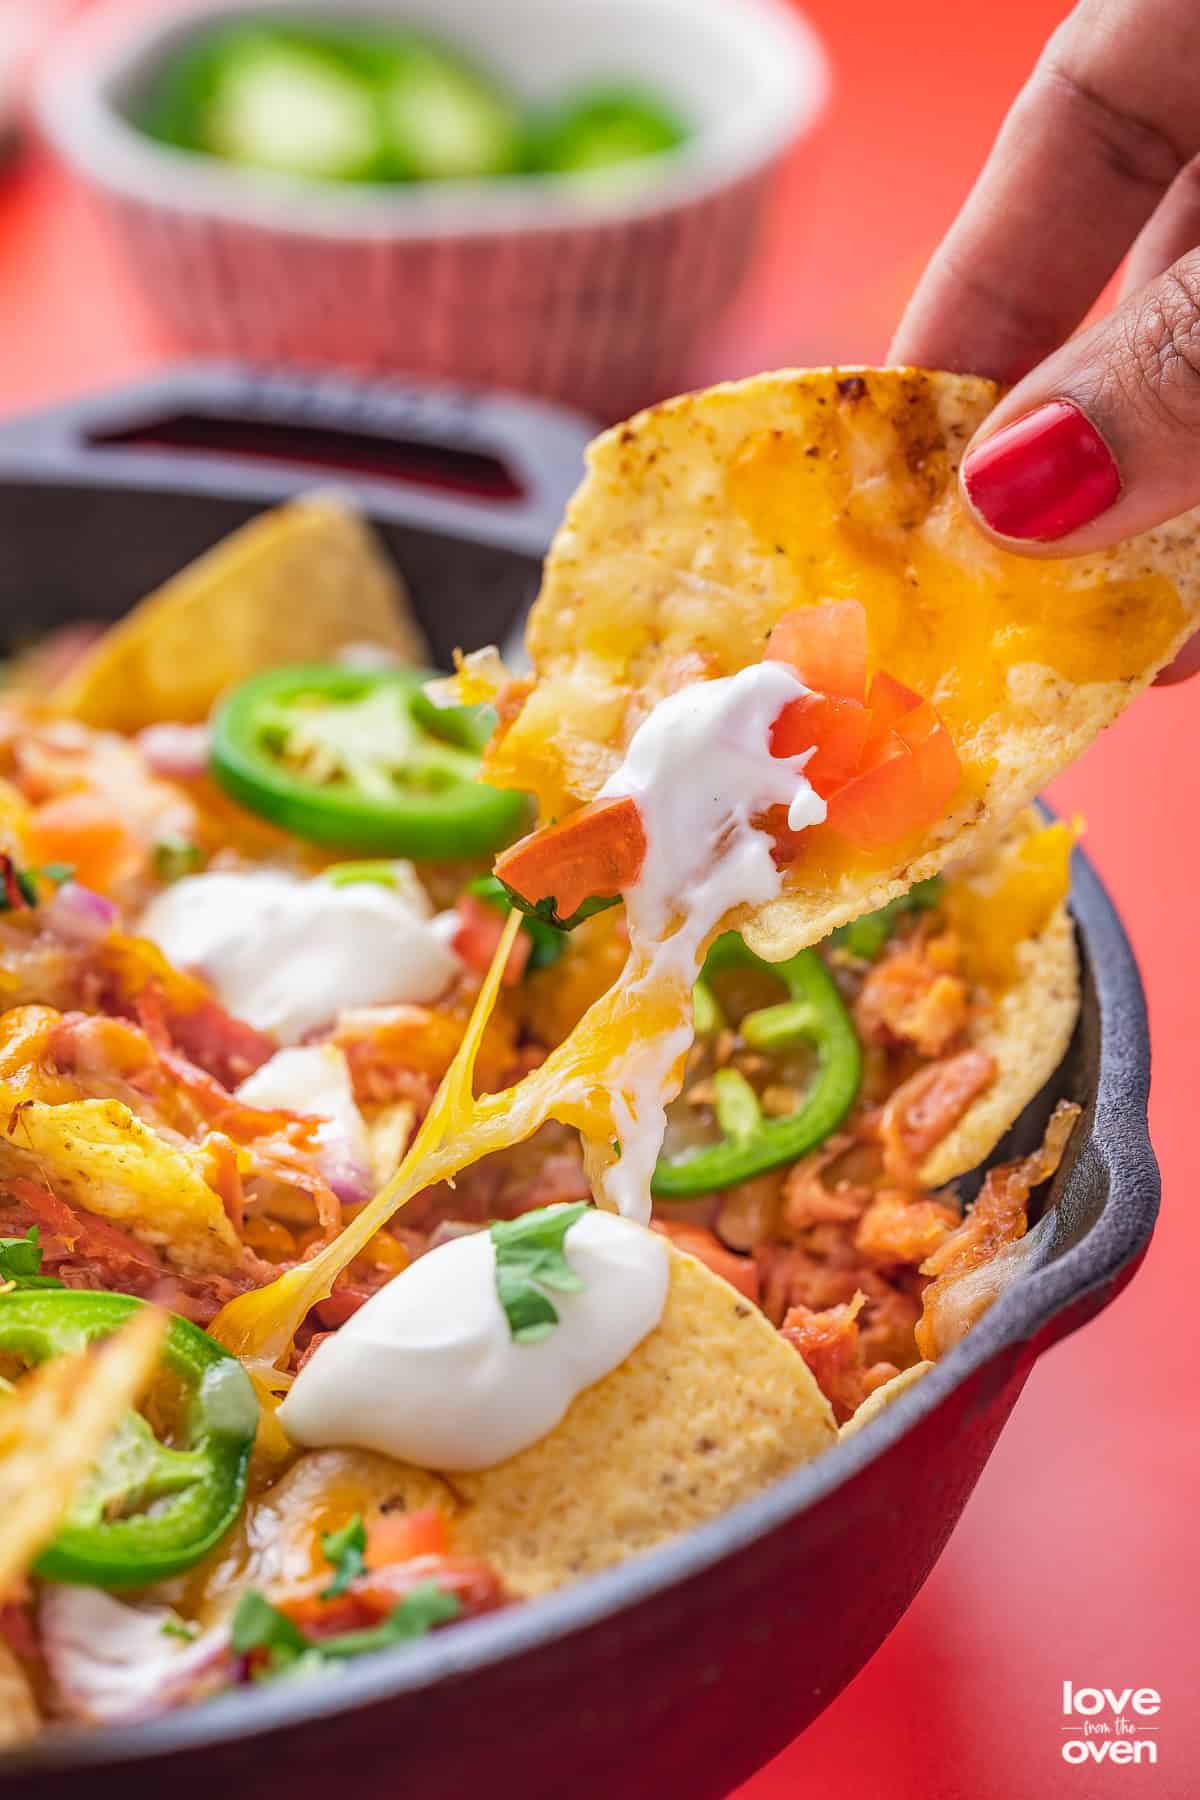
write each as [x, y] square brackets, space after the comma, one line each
[1043, 476]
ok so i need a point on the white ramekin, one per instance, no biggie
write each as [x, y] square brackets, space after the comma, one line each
[595, 294]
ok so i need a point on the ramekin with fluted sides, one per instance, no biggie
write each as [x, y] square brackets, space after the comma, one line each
[595, 294]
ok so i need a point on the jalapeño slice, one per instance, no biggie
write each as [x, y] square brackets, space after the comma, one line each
[149, 1509]
[750, 1144]
[363, 761]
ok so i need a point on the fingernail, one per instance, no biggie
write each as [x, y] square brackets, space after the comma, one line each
[1043, 476]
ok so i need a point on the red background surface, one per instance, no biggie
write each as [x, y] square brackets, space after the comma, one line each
[1077, 1558]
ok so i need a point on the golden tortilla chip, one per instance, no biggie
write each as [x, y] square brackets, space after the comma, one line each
[701, 521]
[882, 1398]
[709, 1409]
[294, 585]
[1032, 1014]
[100, 1157]
[53, 1426]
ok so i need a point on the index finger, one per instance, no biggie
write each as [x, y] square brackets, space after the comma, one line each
[1093, 141]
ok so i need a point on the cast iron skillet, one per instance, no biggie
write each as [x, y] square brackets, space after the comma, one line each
[683, 1671]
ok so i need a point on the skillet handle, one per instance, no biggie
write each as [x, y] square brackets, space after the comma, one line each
[492, 468]
[1083, 1310]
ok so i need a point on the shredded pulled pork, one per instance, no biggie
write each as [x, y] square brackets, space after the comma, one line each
[739, 1271]
[900, 1228]
[831, 1344]
[957, 1297]
[914, 996]
[927, 1106]
[828, 1271]
[401, 1052]
[83, 1251]
[808, 1199]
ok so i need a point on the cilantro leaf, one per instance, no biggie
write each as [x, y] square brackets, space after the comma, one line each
[21, 1262]
[530, 1257]
[547, 941]
[180, 1628]
[416, 1615]
[257, 1625]
[19, 887]
[55, 872]
[865, 937]
[344, 1551]
[175, 857]
[546, 909]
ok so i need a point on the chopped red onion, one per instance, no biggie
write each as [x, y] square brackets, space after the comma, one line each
[177, 751]
[339, 1166]
[77, 914]
[112, 1663]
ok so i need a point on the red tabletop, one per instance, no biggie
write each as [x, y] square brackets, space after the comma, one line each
[1077, 1557]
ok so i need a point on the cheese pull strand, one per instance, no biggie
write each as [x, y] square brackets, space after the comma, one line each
[586, 1082]
[260, 1326]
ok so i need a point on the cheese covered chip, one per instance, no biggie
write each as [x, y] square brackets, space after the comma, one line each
[702, 521]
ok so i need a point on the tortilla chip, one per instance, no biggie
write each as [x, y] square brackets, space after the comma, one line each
[701, 521]
[882, 1398]
[709, 1409]
[1029, 1024]
[53, 1426]
[99, 1156]
[294, 585]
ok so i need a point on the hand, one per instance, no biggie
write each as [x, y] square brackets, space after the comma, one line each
[1098, 158]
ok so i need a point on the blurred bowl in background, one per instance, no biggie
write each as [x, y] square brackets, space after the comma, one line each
[24, 24]
[591, 291]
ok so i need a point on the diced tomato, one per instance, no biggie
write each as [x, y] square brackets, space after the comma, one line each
[905, 787]
[598, 850]
[839, 729]
[888, 702]
[904, 774]
[477, 935]
[880, 805]
[827, 647]
[936, 760]
[82, 829]
[373, 1595]
[891, 699]
[398, 1537]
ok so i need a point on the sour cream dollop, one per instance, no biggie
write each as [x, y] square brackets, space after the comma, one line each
[288, 954]
[315, 1079]
[427, 1371]
[701, 769]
